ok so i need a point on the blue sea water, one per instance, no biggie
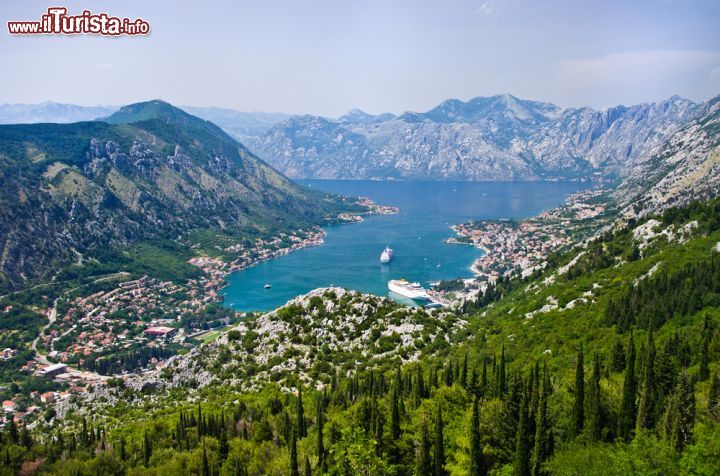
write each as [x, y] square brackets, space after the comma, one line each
[350, 256]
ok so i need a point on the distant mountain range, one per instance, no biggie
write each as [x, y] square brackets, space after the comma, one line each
[76, 192]
[240, 125]
[486, 138]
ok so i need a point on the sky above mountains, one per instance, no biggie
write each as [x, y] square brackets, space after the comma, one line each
[328, 56]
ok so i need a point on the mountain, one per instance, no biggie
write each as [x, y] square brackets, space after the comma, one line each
[356, 116]
[51, 112]
[240, 125]
[557, 373]
[486, 138]
[685, 168]
[150, 171]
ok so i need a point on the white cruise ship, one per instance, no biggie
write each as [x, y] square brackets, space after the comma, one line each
[408, 290]
[386, 255]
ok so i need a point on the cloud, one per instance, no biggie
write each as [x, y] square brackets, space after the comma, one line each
[493, 8]
[644, 74]
[104, 66]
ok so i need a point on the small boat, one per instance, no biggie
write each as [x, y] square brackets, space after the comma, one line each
[386, 255]
[267, 286]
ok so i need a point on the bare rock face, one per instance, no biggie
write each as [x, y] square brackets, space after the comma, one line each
[486, 138]
[685, 167]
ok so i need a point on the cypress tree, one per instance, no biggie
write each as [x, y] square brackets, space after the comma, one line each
[147, 449]
[473, 384]
[13, 431]
[501, 387]
[579, 405]
[123, 451]
[320, 440]
[463, 372]
[593, 403]
[395, 415]
[8, 460]
[680, 414]
[714, 396]
[205, 463]
[648, 397]
[477, 464]
[483, 378]
[294, 470]
[704, 370]
[626, 417]
[617, 362]
[541, 450]
[300, 415]
[439, 447]
[448, 374]
[308, 470]
[423, 464]
[522, 448]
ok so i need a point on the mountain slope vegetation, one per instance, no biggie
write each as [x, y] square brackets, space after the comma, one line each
[76, 192]
[591, 366]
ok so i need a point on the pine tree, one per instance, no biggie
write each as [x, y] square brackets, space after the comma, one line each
[648, 396]
[579, 405]
[680, 414]
[714, 396]
[477, 463]
[423, 464]
[626, 418]
[300, 415]
[593, 403]
[294, 470]
[542, 428]
[617, 362]
[320, 441]
[522, 447]
[439, 447]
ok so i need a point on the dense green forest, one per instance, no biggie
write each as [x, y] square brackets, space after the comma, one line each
[606, 362]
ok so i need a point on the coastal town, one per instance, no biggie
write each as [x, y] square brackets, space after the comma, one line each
[522, 246]
[122, 324]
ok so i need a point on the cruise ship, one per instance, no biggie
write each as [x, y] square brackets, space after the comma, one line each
[386, 255]
[408, 290]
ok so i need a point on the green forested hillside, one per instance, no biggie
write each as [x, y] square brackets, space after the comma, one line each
[607, 362]
[75, 193]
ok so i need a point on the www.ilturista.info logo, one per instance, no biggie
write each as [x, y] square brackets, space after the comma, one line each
[58, 22]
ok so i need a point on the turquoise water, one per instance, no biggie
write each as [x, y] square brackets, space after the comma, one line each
[350, 256]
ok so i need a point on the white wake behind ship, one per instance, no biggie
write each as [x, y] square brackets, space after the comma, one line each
[408, 290]
[386, 255]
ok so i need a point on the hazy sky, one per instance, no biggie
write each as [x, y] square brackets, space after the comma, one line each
[328, 56]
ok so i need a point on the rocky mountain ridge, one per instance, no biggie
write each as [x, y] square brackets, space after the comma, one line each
[686, 167]
[487, 138]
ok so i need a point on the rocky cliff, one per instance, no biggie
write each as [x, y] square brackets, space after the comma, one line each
[487, 138]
